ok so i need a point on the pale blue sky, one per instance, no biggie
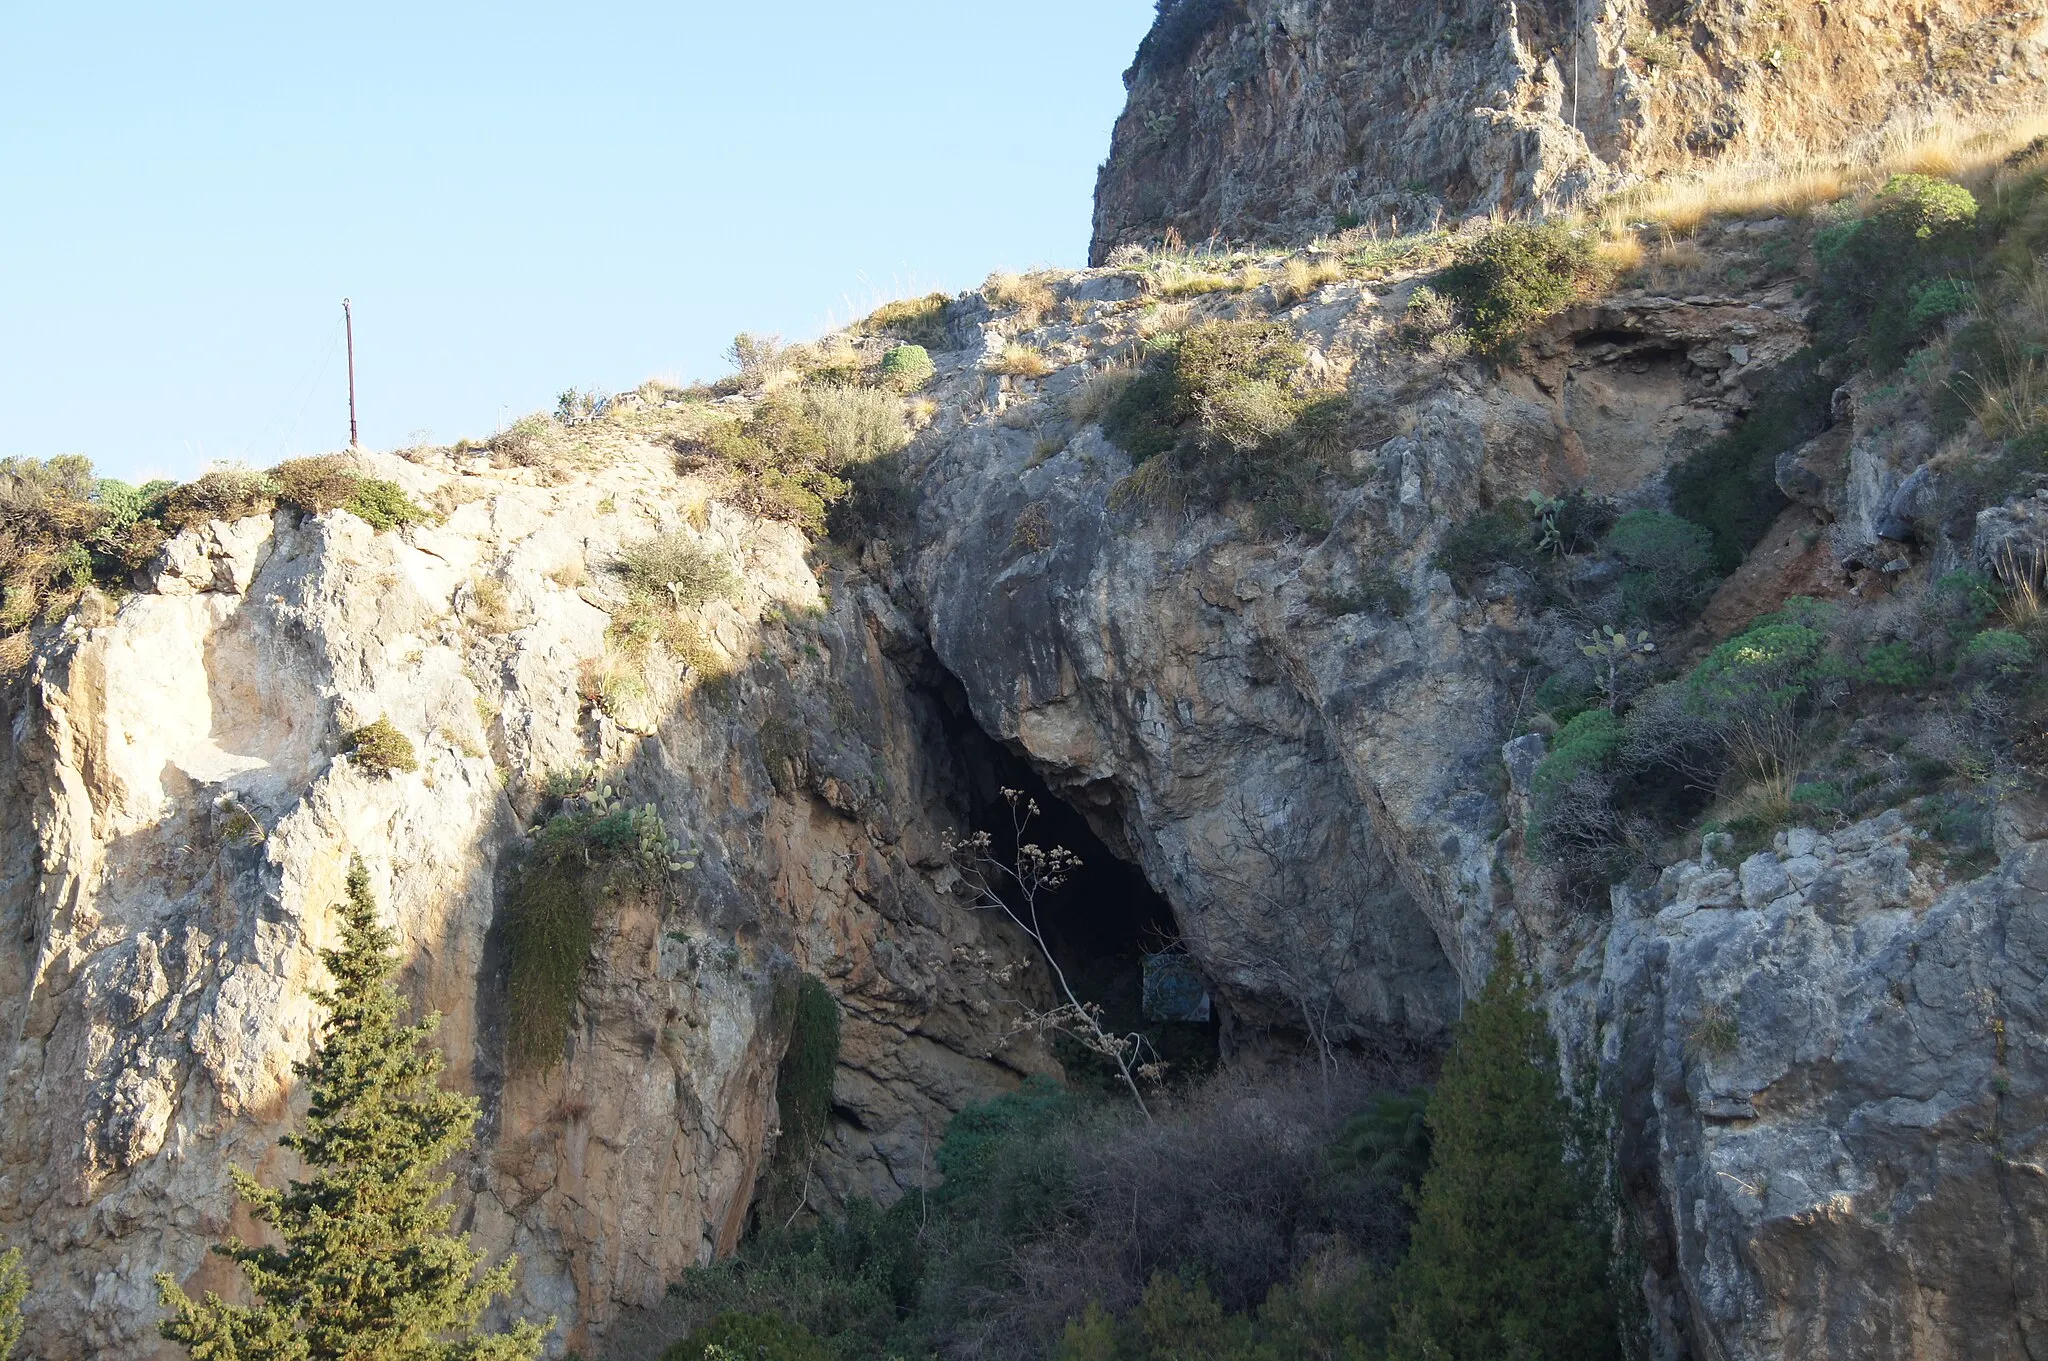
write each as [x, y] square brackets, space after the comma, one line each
[518, 197]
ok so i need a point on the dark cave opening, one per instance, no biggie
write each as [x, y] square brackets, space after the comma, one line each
[1101, 923]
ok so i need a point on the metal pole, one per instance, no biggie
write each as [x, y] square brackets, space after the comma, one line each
[348, 322]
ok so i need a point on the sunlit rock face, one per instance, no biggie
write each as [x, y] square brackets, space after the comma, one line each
[1255, 120]
[179, 818]
[1822, 1061]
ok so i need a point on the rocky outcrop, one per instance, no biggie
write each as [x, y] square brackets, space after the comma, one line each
[177, 822]
[1284, 119]
[1823, 1061]
[1833, 1100]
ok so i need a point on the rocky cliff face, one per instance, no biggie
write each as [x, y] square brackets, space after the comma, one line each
[1824, 1060]
[178, 822]
[1284, 119]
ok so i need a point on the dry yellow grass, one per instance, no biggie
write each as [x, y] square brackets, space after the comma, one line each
[1097, 392]
[1621, 254]
[1774, 186]
[1304, 274]
[1028, 294]
[1180, 279]
[1165, 319]
[1019, 361]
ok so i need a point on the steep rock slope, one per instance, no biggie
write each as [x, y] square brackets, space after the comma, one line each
[1849, 1164]
[178, 821]
[1279, 119]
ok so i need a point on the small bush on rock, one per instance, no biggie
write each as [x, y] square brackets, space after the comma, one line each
[1891, 275]
[1514, 275]
[1670, 561]
[591, 843]
[1731, 484]
[1216, 413]
[221, 494]
[381, 749]
[1481, 544]
[906, 368]
[13, 1290]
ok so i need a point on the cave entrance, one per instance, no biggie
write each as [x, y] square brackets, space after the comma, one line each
[1101, 926]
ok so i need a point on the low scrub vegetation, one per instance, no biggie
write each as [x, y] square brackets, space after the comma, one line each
[906, 368]
[64, 530]
[913, 321]
[1220, 413]
[1031, 296]
[1813, 714]
[806, 449]
[1259, 1216]
[1018, 360]
[1730, 485]
[379, 748]
[589, 845]
[1514, 275]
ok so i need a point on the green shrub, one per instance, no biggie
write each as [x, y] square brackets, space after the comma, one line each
[1144, 419]
[881, 502]
[981, 1134]
[1506, 1258]
[1376, 591]
[1894, 664]
[1889, 276]
[1583, 746]
[1564, 695]
[1514, 275]
[1997, 654]
[383, 505]
[13, 1290]
[1179, 29]
[1216, 407]
[1670, 560]
[1196, 383]
[906, 368]
[852, 1282]
[914, 321]
[1818, 795]
[221, 494]
[780, 461]
[803, 1081]
[316, 485]
[749, 1337]
[1759, 690]
[1731, 484]
[381, 749]
[672, 569]
[1481, 544]
[591, 844]
[1390, 1137]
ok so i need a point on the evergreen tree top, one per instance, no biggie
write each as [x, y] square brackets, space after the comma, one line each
[1505, 1261]
[364, 1267]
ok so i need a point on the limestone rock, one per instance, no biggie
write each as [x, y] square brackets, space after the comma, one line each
[176, 825]
[1282, 119]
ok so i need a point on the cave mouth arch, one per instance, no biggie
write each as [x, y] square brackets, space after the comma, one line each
[1101, 923]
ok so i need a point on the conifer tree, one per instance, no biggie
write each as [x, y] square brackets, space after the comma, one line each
[1505, 1263]
[366, 1268]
